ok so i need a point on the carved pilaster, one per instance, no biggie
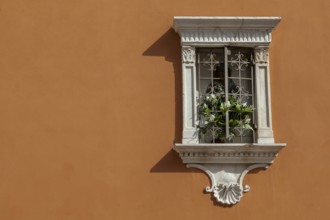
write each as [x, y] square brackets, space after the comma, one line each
[262, 76]
[189, 134]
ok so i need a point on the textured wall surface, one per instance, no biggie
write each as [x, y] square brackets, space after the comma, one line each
[90, 106]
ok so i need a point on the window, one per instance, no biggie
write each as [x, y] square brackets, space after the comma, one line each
[230, 53]
[225, 88]
[227, 126]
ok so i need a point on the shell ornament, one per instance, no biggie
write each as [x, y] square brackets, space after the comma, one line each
[228, 193]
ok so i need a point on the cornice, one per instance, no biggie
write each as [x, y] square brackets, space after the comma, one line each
[203, 31]
[223, 22]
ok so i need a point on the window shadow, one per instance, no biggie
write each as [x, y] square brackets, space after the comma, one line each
[171, 163]
[168, 46]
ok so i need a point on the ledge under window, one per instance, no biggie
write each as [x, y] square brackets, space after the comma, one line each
[228, 153]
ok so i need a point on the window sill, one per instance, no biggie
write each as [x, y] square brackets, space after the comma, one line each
[228, 153]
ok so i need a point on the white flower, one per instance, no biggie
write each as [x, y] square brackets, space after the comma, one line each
[207, 97]
[227, 104]
[244, 104]
[212, 96]
[212, 117]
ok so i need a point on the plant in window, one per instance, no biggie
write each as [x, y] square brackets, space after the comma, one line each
[214, 110]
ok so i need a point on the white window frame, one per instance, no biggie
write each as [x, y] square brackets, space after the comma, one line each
[226, 164]
[253, 32]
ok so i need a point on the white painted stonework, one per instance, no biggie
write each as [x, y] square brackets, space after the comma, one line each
[221, 31]
[226, 164]
[228, 153]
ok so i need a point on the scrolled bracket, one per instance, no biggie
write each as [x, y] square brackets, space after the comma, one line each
[227, 180]
[227, 164]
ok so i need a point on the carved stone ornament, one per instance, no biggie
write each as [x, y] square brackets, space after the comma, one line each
[217, 31]
[261, 54]
[227, 164]
[234, 36]
[188, 55]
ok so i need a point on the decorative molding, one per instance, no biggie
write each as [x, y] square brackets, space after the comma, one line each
[227, 164]
[228, 153]
[188, 55]
[245, 31]
[232, 157]
[209, 37]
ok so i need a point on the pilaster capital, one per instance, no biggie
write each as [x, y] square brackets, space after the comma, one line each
[188, 54]
[261, 54]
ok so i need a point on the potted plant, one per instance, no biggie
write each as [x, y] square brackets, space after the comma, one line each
[214, 111]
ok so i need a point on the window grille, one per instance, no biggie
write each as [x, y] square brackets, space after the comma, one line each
[226, 74]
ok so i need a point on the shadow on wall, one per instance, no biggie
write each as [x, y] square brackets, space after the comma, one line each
[171, 163]
[168, 46]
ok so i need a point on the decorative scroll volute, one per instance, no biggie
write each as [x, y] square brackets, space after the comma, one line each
[261, 54]
[188, 54]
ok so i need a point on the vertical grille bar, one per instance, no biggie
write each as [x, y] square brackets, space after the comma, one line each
[226, 90]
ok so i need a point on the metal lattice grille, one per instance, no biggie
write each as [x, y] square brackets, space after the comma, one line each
[226, 95]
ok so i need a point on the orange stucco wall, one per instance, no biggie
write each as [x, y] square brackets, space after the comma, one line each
[90, 106]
